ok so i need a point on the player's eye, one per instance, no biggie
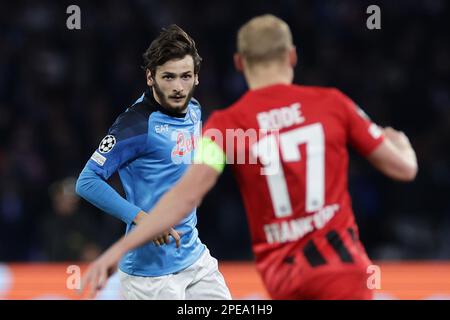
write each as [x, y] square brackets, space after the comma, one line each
[186, 76]
[167, 77]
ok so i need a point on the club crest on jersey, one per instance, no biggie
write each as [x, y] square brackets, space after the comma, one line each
[107, 144]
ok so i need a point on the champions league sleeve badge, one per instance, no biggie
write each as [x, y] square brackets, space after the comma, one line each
[107, 144]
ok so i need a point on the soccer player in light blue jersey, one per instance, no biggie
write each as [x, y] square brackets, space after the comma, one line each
[151, 145]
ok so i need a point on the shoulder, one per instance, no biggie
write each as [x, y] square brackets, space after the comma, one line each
[342, 99]
[219, 119]
[331, 92]
[132, 122]
[331, 95]
[317, 91]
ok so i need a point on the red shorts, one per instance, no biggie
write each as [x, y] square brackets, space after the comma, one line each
[331, 267]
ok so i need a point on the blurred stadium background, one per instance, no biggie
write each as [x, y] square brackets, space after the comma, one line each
[60, 90]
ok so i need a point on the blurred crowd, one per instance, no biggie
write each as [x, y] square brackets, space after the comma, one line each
[61, 89]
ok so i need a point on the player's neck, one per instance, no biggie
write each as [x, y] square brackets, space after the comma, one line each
[260, 77]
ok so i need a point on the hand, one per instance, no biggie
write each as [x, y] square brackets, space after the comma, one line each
[100, 270]
[162, 238]
[398, 138]
[165, 238]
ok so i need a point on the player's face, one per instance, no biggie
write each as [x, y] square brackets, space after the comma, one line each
[174, 83]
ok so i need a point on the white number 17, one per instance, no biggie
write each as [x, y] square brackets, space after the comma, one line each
[266, 150]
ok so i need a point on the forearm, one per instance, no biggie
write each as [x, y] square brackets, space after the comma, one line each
[168, 212]
[95, 190]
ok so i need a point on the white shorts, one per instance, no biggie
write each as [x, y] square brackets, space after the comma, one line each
[200, 281]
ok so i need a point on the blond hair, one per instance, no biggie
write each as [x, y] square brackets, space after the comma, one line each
[264, 39]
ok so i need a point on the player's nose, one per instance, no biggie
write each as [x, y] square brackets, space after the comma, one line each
[177, 86]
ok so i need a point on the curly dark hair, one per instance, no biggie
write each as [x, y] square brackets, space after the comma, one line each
[172, 43]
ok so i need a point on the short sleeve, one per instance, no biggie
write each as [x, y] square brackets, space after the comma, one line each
[363, 134]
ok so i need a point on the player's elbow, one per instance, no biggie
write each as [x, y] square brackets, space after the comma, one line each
[406, 173]
[84, 184]
[397, 165]
[410, 172]
[80, 186]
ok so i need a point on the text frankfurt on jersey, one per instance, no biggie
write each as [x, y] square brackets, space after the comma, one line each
[295, 229]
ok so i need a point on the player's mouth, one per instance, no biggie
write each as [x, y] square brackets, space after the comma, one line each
[178, 98]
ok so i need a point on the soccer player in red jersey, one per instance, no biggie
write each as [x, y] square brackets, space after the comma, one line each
[288, 148]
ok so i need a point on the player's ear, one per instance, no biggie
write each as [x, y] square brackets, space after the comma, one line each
[293, 56]
[148, 75]
[196, 80]
[238, 62]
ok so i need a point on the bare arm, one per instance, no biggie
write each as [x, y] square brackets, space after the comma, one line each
[395, 156]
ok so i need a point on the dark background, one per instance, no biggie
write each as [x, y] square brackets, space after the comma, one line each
[61, 89]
